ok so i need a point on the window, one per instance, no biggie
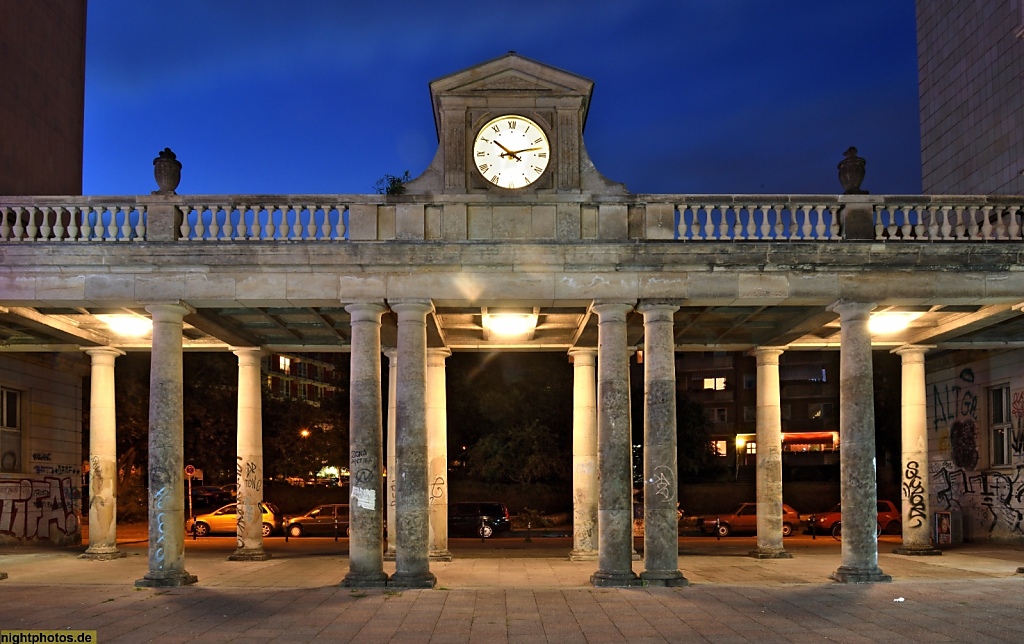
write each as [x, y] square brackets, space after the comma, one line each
[716, 384]
[720, 448]
[751, 448]
[801, 373]
[749, 414]
[719, 415]
[284, 364]
[10, 430]
[999, 418]
[750, 381]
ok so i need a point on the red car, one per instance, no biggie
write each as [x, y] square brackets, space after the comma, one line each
[744, 519]
[890, 519]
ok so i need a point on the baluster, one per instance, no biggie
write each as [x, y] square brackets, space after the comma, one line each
[86, 227]
[723, 223]
[141, 215]
[186, 231]
[779, 227]
[58, 223]
[340, 228]
[270, 228]
[228, 228]
[879, 226]
[5, 224]
[126, 227]
[44, 225]
[986, 223]
[214, 227]
[254, 228]
[806, 229]
[972, 223]
[946, 227]
[325, 227]
[737, 225]
[31, 229]
[1013, 229]
[19, 228]
[112, 226]
[1000, 224]
[311, 225]
[285, 228]
[906, 228]
[765, 227]
[681, 226]
[933, 223]
[819, 232]
[73, 212]
[198, 229]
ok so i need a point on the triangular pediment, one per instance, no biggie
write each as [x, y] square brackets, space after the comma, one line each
[511, 81]
[512, 73]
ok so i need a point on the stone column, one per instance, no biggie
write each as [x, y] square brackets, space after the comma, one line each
[249, 476]
[166, 452]
[392, 354]
[916, 528]
[858, 486]
[614, 455]
[102, 457]
[584, 455]
[437, 454]
[412, 561]
[769, 457]
[661, 480]
[366, 482]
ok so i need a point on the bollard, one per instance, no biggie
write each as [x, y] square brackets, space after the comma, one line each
[814, 525]
[718, 535]
[528, 538]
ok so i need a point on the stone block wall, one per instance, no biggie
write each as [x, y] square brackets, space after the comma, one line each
[962, 475]
[42, 499]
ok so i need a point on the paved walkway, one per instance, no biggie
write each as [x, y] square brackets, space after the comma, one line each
[510, 591]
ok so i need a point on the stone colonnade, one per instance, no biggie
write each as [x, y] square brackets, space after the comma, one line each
[415, 501]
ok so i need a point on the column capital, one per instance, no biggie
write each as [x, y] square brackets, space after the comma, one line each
[366, 311]
[910, 352]
[438, 352]
[611, 310]
[99, 352]
[767, 355]
[654, 306]
[848, 309]
[169, 311]
[411, 306]
[583, 356]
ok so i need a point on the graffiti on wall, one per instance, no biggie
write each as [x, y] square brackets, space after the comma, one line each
[38, 509]
[994, 499]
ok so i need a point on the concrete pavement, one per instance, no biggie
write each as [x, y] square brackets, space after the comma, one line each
[508, 590]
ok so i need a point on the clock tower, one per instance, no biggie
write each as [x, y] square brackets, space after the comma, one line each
[511, 127]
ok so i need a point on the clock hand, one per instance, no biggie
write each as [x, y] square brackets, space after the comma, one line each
[525, 150]
[507, 152]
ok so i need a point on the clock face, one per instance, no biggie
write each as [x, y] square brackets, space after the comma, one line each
[511, 151]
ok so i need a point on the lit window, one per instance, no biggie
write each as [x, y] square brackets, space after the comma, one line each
[717, 384]
[10, 430]
[751, 448]
[999, 413]
[284, 364]
[720, 448]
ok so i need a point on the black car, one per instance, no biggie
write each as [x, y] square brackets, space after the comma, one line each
[209, 496]
[478, 519]
[327, 520]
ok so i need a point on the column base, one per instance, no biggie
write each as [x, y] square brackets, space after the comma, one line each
[102, 554]
[365, 580]
[583, 555]
[663, 578]
[847, 575]
[412, 580]
[440, 555]
[249, 554]
[166, 580]
[917, 551]
[624, 579]
[770, 554]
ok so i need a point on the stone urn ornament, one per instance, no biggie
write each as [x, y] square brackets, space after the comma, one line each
[851, 172]
[167, 171]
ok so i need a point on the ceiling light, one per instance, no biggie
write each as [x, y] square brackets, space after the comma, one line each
[133, 326]
[510, 325]
[889, 322]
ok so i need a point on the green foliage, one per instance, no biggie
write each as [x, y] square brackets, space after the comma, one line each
[391, 184]
[693, 438]
[521, 454]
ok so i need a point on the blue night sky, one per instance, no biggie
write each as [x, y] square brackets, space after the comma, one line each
[690, 96]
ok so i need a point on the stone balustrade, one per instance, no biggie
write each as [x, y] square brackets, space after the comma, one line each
[561, 218]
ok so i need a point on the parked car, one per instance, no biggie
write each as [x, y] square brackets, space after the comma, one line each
[209, 496]
[231, 488]
[890, 519]
[744, 519]
[225, 520]
[478, 519]
[324, 520]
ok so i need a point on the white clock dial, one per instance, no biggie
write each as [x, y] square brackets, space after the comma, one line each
[511, 151]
